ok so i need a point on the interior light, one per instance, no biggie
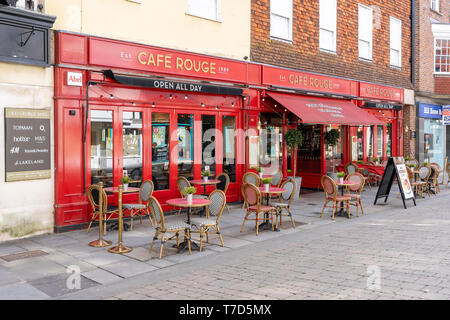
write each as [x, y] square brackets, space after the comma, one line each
[153, 104]
[170, 96]
[111, 96]
[185, 96]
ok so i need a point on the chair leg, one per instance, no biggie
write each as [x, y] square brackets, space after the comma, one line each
[228, 209]
[155, 237]
[220, 235]
[132, 213]
[348, 208]
[257, 223]
[92, 220]
[323, 209]
[163, 239]
[292, 218]
[334, 210]
[201, 238]
[362, 209]
[178, 239]
[243, 222]
[189, 240]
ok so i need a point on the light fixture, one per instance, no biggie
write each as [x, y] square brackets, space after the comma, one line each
[285, 110]
[133, 103]
[111, 96]
[185, 96]
[153, 104]
[170, 96]
[232, 104]
[275, 105]
[217, 107]
[203, 105]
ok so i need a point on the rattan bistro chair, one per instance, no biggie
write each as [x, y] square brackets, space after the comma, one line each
[223, 185]
[350, 168]
[140, 208]
[434, 178]
[425, 174]
[215, 208]
[357, 189]
[162, 228]
[94, 191]
[331, 195]
[252, 178]
[183, 183]
[418, 186]
[285, 200]
[253, 199]
[277, 177]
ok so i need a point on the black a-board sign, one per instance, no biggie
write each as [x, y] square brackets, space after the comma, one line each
[395, 167]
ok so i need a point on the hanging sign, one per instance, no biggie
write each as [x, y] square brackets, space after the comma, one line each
[395, 167]
[27, 144]
[446, 115]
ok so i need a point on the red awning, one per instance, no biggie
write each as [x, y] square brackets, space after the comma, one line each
[325, 111]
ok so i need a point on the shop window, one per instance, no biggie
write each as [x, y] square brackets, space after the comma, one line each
[334, 153]
[360, 139]
[132, 147]
[229, 146]
[160, 150]
[369, 143]
[309, 154]
[185, 139]
[380, 141]
[434, 141]
[102, 147]
[209, 144]
[389, 140]
[271, 142]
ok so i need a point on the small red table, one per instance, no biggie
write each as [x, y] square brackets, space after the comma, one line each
[204, 183]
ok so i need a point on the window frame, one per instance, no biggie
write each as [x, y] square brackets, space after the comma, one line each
[321, 27]
[437, 5]
[196, 14]
[370, 59]
[448, 56]
[290, 18]
[391, 20]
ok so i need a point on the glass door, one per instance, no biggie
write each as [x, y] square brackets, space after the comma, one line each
[209, 143]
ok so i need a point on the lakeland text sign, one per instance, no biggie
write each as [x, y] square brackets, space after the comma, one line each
[27, 144]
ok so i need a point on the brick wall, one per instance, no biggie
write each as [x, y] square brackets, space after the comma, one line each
[304, 54]
[442, 85]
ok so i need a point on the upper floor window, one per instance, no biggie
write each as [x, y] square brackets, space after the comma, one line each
[396, 42]
[435, 5]
[442, 56]
[365, 26]
[208, 9]
[327, 17]
[281, 19]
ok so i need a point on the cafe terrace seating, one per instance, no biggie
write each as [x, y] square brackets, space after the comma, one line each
[354, 191]
[434, 178]
[223, 185]
[140, 208]
[253, 198]
[249, 177]
[183, 183]
[418, 186]
[94, 191]
[331, 195]
[285, 200]
[215, 208]
[162, 228]
[424, 175]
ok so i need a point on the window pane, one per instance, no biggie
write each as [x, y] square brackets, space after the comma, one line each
[132, 147]
[102, 147]
[209, 144]
[395, 58]
[270, 139]
[380, 139]
[160, 150]
[204, 8]
[281, 7]
[326, 40]
[360, 137]
[369, 145]
[279, 27]
[335, 154]
[186, 146]
[389, 140]
[229, 146]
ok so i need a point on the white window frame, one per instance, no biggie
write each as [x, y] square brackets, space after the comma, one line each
[323, 26]
[370, 58]
[436, 5]
[391, 21]
[441, 31]
[217, 18]
[434, 61]
[277, 37]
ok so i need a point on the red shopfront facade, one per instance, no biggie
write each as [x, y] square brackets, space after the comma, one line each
[144, 111]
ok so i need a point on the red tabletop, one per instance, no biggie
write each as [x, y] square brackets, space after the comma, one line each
[345, 183]
[116, 190]
[201, 181]
[182, 202]
[272, 190]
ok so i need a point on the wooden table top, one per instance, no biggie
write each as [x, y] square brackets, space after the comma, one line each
[182, 202]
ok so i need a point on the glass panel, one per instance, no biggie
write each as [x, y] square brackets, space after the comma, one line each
[380, 140]
[160, 150]
[434, 141]
[271, 148]
[335, 154]
[209, 144]
[186, 146]
[132, 147]
[309, 155]
[229, 146]
[360, 137]
[389, 140]
[369, 144]
[102, 147]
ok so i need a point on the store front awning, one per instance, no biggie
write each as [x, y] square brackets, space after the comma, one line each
[314, 110]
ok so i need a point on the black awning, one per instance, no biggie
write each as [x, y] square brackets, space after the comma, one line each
[172, 85]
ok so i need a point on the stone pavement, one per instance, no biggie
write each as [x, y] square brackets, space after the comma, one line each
[387, 253]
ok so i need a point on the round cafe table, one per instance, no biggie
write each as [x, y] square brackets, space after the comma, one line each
[272, 190]
[116, 190]
[183, 203]
[204, 183]
[343, 186]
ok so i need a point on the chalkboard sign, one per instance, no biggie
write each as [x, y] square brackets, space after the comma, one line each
[395, 168]
[27, 144]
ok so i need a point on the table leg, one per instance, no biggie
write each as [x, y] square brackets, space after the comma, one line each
[184, 245]
[267, 225]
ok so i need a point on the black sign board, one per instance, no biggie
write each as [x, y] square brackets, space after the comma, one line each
[384, 106]
[173, 85]
[27, 144]
[395, 168]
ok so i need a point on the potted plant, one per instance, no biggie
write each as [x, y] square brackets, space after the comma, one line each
[189, 191]
[407, 158]
[266, 182]
[376, 160]
[125, 181]
[341, 177]
[425, 163]
[411, 165]
[294, 140]
[260, 172]
[360, 161]
[205, 175]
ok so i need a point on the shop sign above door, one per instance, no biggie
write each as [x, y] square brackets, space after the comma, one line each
[117, 54]
[384, 106]
[373, 91]
[431, 111]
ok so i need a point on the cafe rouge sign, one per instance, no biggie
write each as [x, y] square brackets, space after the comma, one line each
[117, 54]
[305, 81]
[372, 91]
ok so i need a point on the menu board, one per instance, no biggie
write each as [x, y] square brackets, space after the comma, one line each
[27, 144]
[395, 168]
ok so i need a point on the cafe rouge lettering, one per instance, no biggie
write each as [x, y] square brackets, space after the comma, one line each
[380, 92]
[169, 62]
